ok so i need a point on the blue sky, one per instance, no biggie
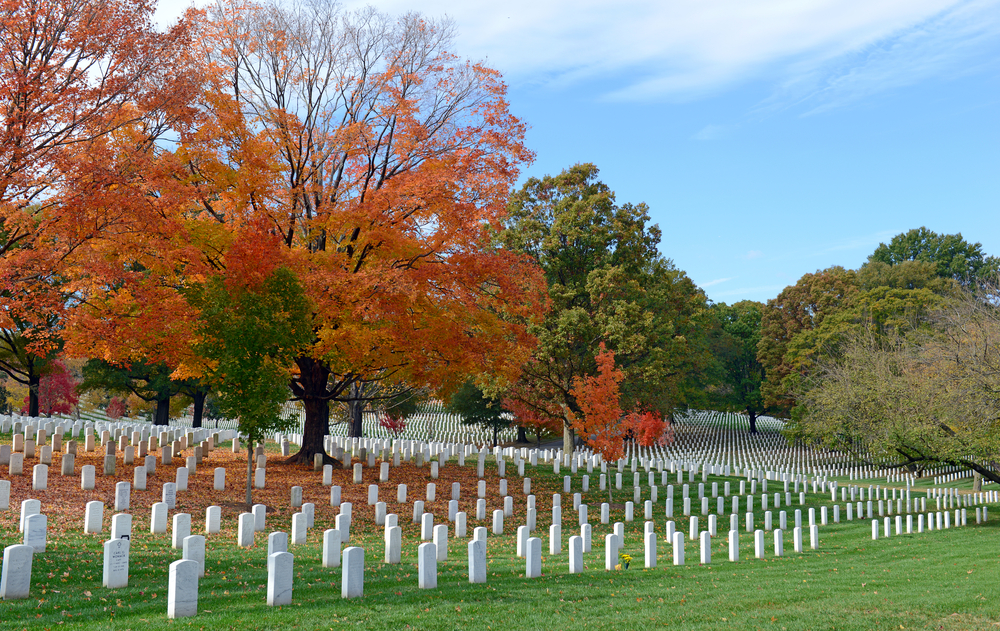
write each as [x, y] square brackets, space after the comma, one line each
[769, 138]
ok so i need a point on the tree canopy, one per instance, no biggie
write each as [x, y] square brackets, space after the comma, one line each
[742, 374]
[378, 159]
[607, 284]
[952, 256]
[916, 400]
[476, 408]
[252, 330]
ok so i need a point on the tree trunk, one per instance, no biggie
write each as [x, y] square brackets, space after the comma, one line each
[496, 433]
[355, 411]
[753, 420]
[249, 474]
[199, 407]
[162, 412]
[569, 437]
[34, 381]
[522, 435]
[311, 389]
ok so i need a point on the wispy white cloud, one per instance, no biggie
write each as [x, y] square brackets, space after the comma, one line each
[715, 282]
[753, 254]
[824, 53]
[959, 40]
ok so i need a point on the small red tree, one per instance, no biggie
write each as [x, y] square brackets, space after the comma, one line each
[395, 424]
[649, 428]
[536, 413]
[117, 408]
[601, 425]
[56, 391]
[604, 426]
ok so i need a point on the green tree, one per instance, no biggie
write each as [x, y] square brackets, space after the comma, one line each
[952, 256]
[921, 399]
[148, 381]
[476, 408]
[798, 308]
[607, 283]
[252, 333]
[742, 373]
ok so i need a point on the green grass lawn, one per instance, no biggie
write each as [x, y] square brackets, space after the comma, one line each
[938, 580]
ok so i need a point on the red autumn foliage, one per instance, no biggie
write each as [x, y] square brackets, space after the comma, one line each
[395, 424]
[536, 413]
[598, 397]
[56, 391]
[117, 408]
[604, 426]
[649, 428]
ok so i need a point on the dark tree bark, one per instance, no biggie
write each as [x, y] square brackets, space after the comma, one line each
[162, 411]
[753, 420]
[199, 407]
[33, 383]
[522, 435]
[311, 389]
[355, 410]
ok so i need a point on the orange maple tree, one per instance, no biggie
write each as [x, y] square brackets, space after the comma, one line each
[378, 160]
[603, 425]
[70, 74]
[597, 396]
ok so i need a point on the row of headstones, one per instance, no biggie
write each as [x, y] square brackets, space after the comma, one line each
[429, 450]
[38, 429]
[182, 594]
[255, 521]
[940, 520]
[184, 574]
[822, 484]
[15, 461]
[373, 491]
[88, 476]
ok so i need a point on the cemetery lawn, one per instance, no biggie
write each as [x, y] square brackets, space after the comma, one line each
[937, 580]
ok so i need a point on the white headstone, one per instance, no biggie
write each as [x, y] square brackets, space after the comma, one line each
[280, 570]
[259, 512]
[213, 519]
[36, 532]
[477, 561]
[182, 589]
[116, 553]
[121, 526]
[87, 476]
[299, 523]
[427, 566]
[158, 518]
[393, 544]
[441, 541]
[93, 521]
[139, 479]
[352, 584]
[533, 558]
[426, 527]
[181, 530]
[28, 508]
[15, 578]
[244, 536]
